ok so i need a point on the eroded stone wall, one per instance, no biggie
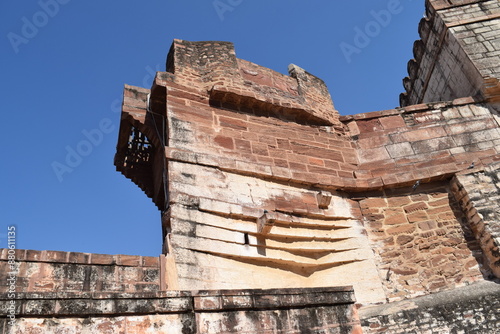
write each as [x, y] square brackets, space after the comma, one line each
[53, 271]
[326, 310]
[422, 240]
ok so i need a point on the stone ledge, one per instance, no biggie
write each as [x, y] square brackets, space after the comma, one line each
[28, 255]
[57, 304]
[411, 109]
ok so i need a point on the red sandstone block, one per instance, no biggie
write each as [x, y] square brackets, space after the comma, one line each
[336, 144]
[31, 255]
[281, 172]
[231, 114]
[322, 170]
[280, 162]
[227, 132]
[371, 142]
[305, 177]
[427, 225]
[226, 142]
[420, 174]
[242, 145]
[260, 169]
[386, 170]
[183, 93]
[250, 136]
[416, 107]
[389, 179]
[259, 149]
[374, 154]
[420, 134]
[54, 256]
[102, 259]
[265, 160]
[398, 201]
[269, 140]
[362, 184]
[78, 257]
[176, 103]
[345, 174]
[392, 122]
[396, 219]
[373, 203]
[316, 161]
[438, 210]
[376, 114]
[406, 177]
[362, 174]
[443, 169]
[297, 166]
[415, 207]
[405, 228]
[332, 164]
[283, 205]
[417, 216]
[233, 123]
[129, 260]
[133, 102]
[150, 261]
[348, 167]
[333, 181]
[317, 152]
[350, 157]
[371, 125]
[297, 158]
[419, 197]
[443, 201]
[283, 144]
[463, 100]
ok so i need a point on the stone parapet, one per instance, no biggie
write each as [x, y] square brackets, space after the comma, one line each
[49, 271]
[319, 310]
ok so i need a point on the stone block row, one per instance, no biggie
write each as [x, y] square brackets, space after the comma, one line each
[47, 271]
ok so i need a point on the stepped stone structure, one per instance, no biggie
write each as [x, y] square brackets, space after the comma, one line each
[281, 216]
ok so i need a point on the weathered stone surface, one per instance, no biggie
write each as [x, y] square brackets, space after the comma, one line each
[320, 310]
[470, 309]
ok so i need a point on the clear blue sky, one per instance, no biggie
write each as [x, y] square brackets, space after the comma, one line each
[63, 67]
